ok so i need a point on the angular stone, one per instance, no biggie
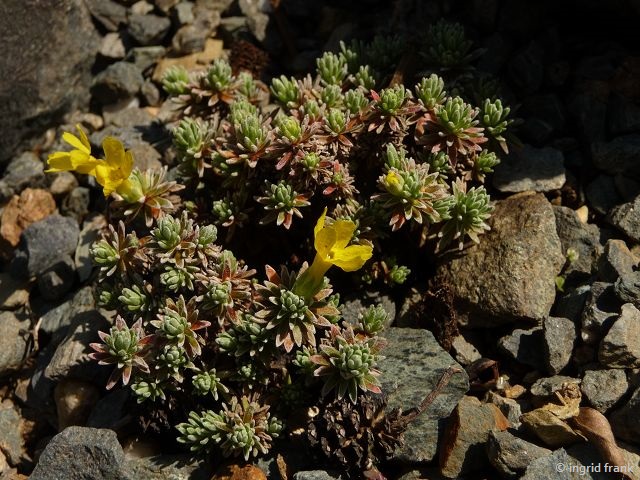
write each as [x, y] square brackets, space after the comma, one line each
[108, 13]
[621, 346]
[553, 466]
[465, 352]
[583, 238]
[604, 388]
[46, 71]
[559, 340]
[71, 358]
[413, 365]
[11, 433]
[466, 435]
[549, 428]
[145, 57]
[44, 243]
[57, 318]
[112, 46]
[530, 168]
[119, 81]
[627, 288]
[602, 194]
[495, 282]
[599, 313]
[63, 183]
[25, 171]
[58, 279]
[14, 340]
[148, 29]
[31, 206]
[620, 155]
[354, 305]
[525, 346]
[316, 475]
[80, 452]
[547, 386]
[571, 303]
[511, 455]
[13, 293]
[89, 234]
[509, 407]
[616, 261]
[168, 467]
[625, 421]
[626, 218]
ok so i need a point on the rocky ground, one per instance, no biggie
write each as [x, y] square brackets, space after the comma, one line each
[546, 308]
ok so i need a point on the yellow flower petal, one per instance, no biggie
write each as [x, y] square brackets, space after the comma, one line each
[82, 162]
[127, 166]
[113, 152]
[352, 258]
[59, 162]
[324, 241]
[75, 142]
[83, 137]
[320, 223]
[344, 232]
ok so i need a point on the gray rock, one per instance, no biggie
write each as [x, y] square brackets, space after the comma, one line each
[142, 7]
[183, 13]
[13, 293]
[625, 421]
[112, 46]
[166, 5]
[546, 467]
[616, 261]
[627, 288]
[466, 436]
[148, 29]
[589, 113]
[146, 57]
[150, 93]
[119, 81]
[58, 279]
[571, 303]
[316, 475]
[112, 411]
[354, 305]
[465, 352]
[604, 388]
[624, 115]
[169, 467]
[128, 117]
[14, 340]
[602, 194]
[620, 155]
[621, 346]
[44, 243]
[25, 171]
[530, 168]
[90, 233]
[559, 339]
[188, 39]
[71, 358]
[108, 13]
[547, 386]
[55, 320]
[627, 187]
[583, 238]
[509, 407]
[81, 453]
[11, 433]
[76, 204]
[413, 365]
[495, 282]
[525, 346]
[547, 107]
[511, 455]
[257, 20]
[526, 70]
[45, 71]
[626, 217]
[63, 183]
[600, 311]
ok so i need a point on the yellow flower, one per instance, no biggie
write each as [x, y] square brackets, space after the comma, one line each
[332, 247]
[112, 172]
[78, 159]
[394, 182]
